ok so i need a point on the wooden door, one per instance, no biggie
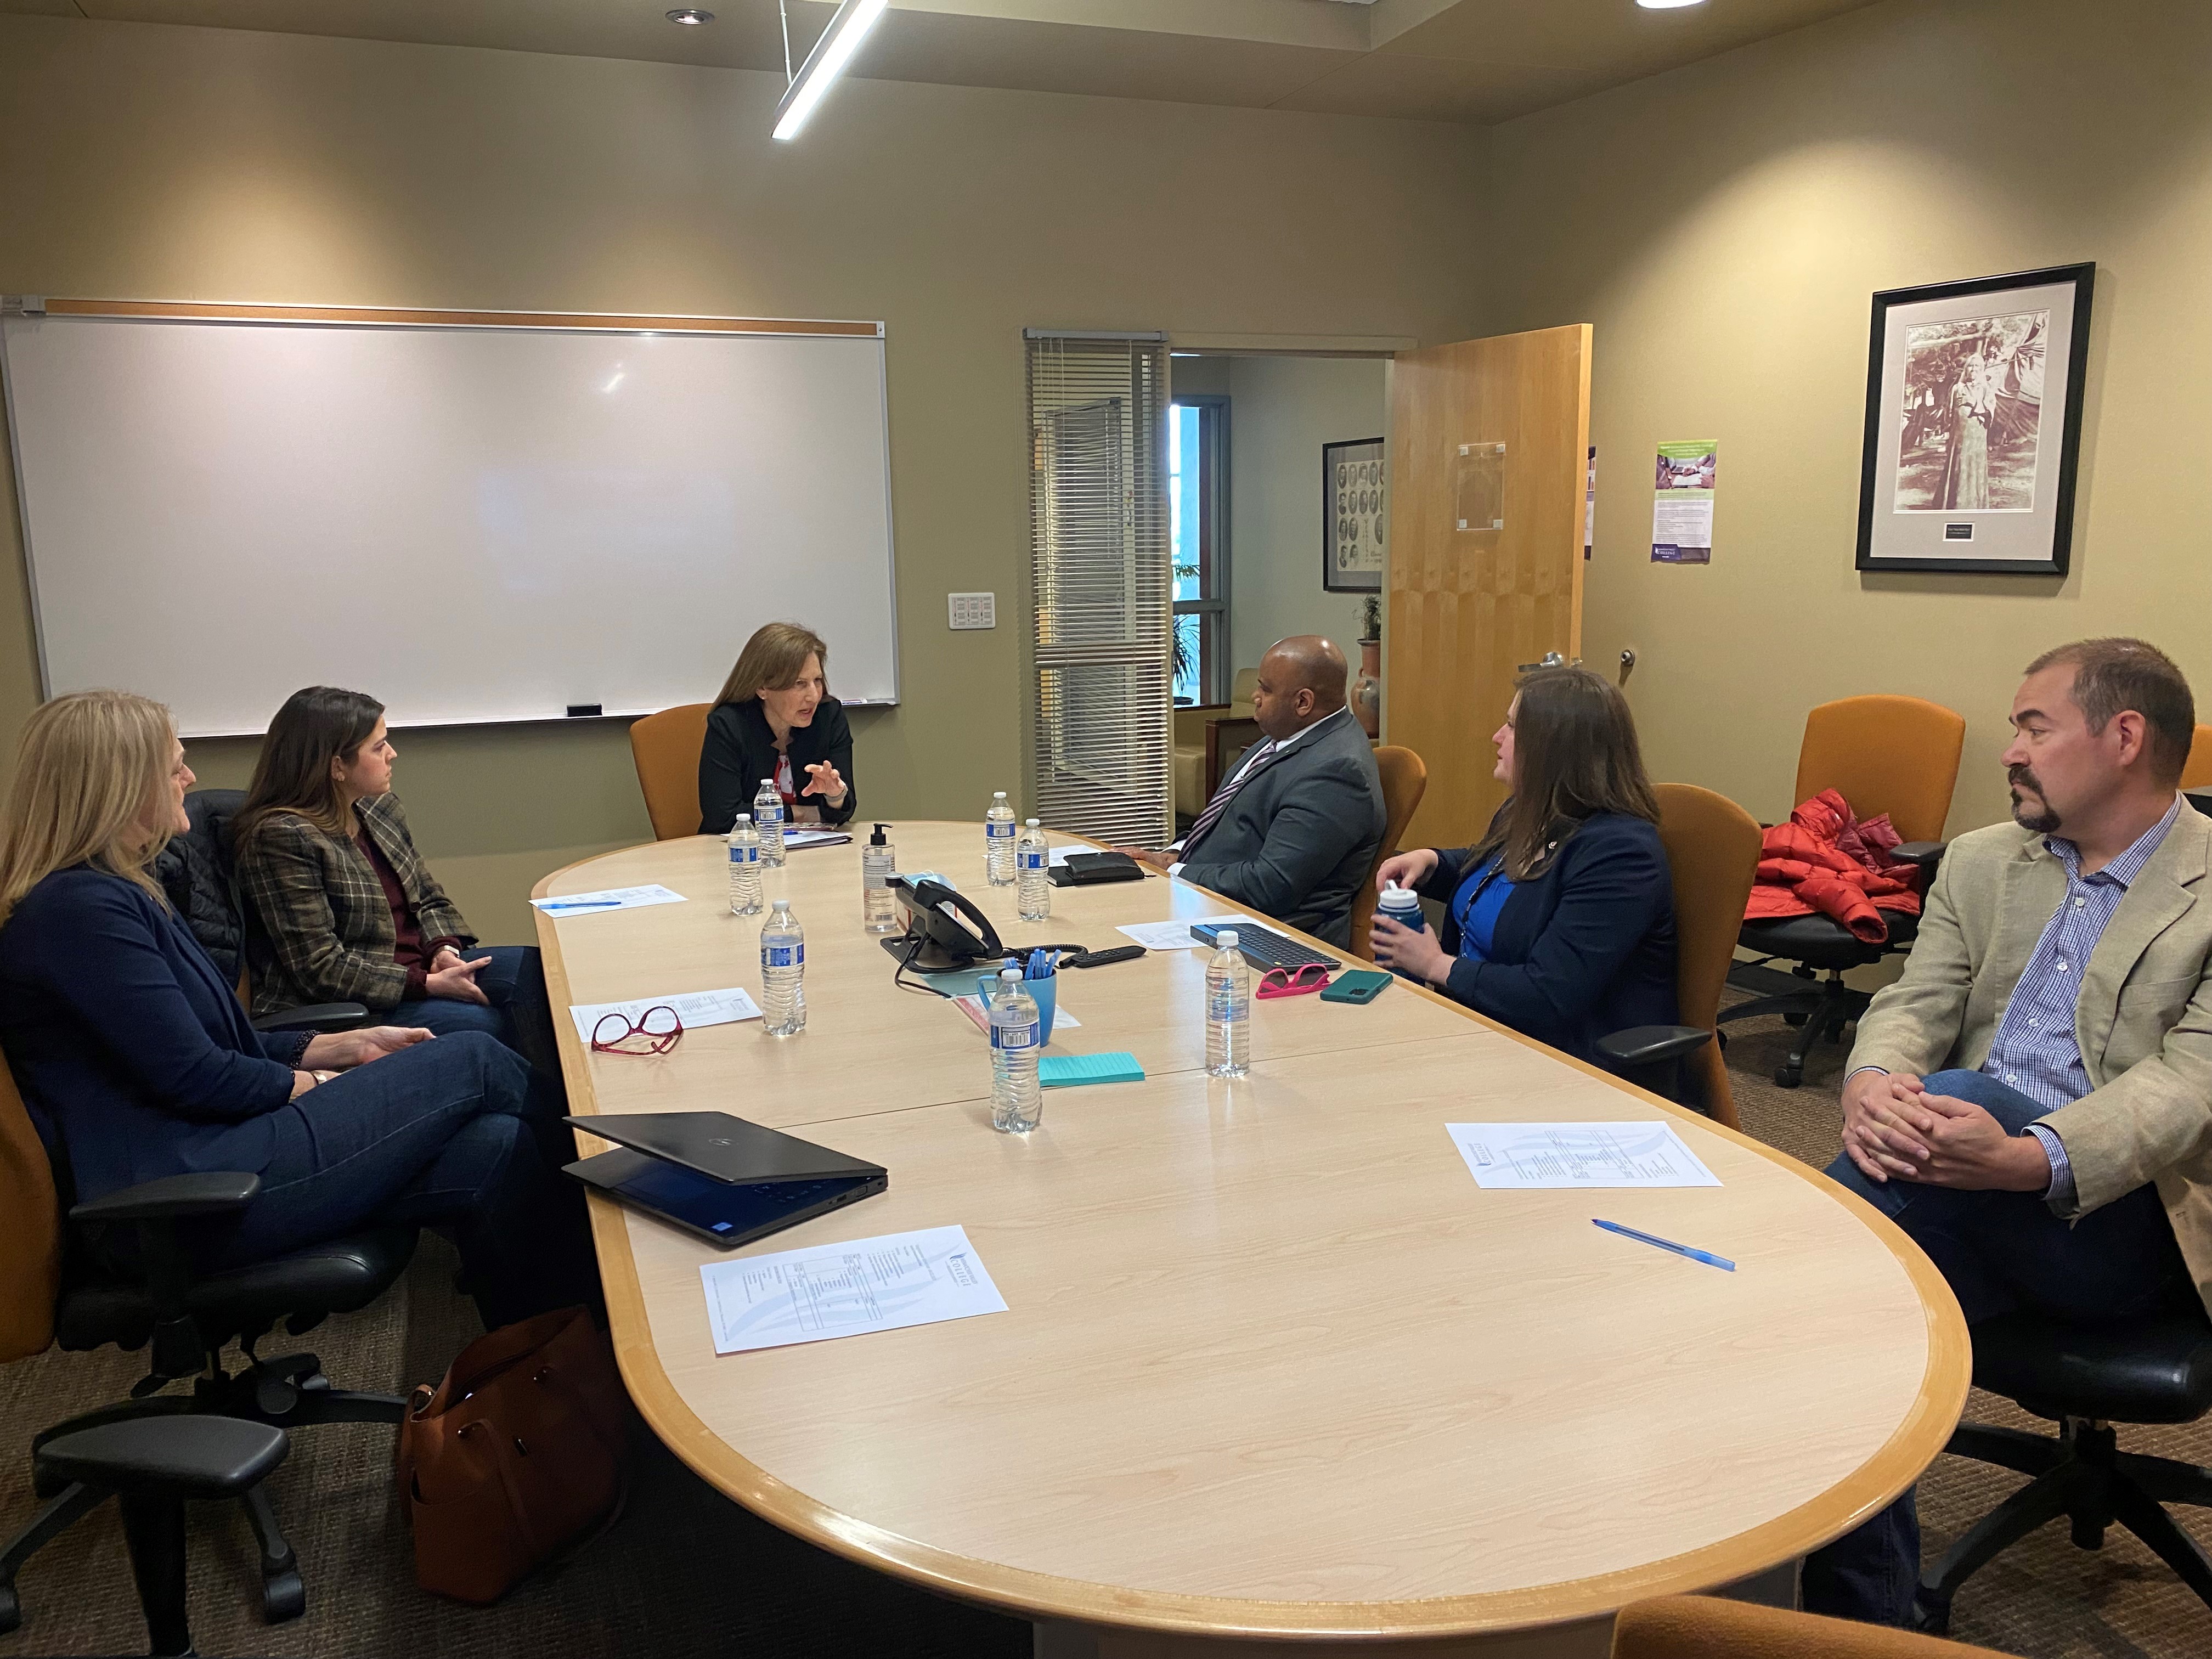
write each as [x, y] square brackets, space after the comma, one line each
[1485, 552]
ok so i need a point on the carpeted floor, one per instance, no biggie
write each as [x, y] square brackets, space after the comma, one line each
[765, 1594]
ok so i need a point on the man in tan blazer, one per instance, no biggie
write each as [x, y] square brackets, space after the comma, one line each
[2032, 1100]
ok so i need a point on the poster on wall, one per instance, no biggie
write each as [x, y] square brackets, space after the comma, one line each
[1682, 502]
[1973, 424]
[1353, 517]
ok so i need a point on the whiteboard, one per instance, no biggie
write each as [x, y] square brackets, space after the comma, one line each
[469, 523]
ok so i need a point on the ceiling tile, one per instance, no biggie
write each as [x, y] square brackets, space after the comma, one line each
[1615, 38]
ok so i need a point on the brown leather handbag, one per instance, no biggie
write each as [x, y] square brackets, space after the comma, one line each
[521, 1455]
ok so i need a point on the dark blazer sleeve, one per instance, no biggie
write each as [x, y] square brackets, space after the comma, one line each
[280, 866]
[1443, 881]
[837, 748]
[110, 971]
[1614, 885]
[729, 777]
[1319, 822]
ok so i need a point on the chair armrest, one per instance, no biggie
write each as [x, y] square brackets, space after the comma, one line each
[209, 1192]
[1925, 853]
[1651, 1045]
[317, 1017]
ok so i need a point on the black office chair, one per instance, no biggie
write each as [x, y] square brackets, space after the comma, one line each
[154, 1467]
[184, 1319]
[196, 870]
[2084, 1378]
[1882, 754]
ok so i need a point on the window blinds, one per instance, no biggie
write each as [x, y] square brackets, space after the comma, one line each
[1098, 533]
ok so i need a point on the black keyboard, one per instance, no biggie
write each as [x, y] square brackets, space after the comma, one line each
[1264, 948]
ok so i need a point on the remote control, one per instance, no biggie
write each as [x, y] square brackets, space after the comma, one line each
[1100, 958]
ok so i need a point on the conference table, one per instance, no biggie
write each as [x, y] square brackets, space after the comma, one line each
[1274, 1373]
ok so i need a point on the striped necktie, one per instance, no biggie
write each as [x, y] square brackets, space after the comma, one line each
[1254, 765]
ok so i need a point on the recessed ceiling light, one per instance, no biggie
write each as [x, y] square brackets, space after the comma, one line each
[691, 16]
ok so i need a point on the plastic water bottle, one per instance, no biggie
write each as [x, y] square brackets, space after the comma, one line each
[878, 863]
[1016, 1101]
[1403, 906]
[999, 841]
[768, 812]
[783, 972]
[1032, 892]
[1228, 1009]
[744, 867]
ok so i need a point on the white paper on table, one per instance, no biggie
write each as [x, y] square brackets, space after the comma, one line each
[694, 1008]
[884, 1284]
[1528, 1156]
[607, 900]
[973, 1007]
[805, 837]
[1176, 935]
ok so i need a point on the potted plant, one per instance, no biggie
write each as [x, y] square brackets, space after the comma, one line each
[1367, 685]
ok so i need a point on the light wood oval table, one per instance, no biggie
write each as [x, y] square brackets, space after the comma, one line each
[1274, 1371]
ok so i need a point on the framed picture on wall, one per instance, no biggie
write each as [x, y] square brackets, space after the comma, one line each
[1973, 424]
[1353, 517]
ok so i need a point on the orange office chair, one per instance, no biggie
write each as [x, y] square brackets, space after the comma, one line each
[665, 747]
[1405, 781]
[1882, 754]
[1712, 855]
[2197, 770]
[1710, 1627]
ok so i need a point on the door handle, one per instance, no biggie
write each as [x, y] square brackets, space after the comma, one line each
[1552, 659]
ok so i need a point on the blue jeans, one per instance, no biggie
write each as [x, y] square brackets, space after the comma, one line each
[514, 982]
[438, 1135]
[2000, 1252]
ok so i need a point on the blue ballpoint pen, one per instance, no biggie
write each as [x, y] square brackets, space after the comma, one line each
[1705, 1256]
[585, 904]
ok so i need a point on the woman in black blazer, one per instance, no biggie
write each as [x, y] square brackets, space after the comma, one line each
[1560, 922]
[775, 719]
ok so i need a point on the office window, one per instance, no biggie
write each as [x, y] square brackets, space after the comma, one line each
[1100, 558]
[1198, 500]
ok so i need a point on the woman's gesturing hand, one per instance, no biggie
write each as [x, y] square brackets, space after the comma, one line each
[457, 981]
[823, 780]
[1408, 870]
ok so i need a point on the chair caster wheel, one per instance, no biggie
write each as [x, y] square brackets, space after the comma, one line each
[1929, 1618]
[46, 1487]
[1788, 1076]
[11, 1610]
[283, 1597]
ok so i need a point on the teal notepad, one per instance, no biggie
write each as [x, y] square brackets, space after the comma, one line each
[1066, 1071]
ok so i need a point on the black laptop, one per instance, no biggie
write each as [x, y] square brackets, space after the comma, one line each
[728, 1180]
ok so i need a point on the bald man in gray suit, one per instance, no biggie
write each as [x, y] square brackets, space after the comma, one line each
[1291, 832]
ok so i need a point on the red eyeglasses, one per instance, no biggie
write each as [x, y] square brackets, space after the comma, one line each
[654, 1032]
[1292, 982]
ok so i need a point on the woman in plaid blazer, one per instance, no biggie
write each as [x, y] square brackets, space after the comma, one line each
[341, 907]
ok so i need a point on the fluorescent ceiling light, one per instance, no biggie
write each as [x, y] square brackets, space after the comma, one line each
[1667, 5]
[826, 63]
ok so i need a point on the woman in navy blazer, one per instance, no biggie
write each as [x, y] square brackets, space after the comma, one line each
[1560, 922]
[136, 1061]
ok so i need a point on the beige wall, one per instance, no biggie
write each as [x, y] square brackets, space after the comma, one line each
[1724, 226]
[203, 164]
[1281, 411]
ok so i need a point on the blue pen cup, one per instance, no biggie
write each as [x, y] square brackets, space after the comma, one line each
[1042, 992]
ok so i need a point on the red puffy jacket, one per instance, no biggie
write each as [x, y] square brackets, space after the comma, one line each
[1824, 861]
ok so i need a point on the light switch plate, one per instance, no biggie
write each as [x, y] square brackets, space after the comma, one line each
[973, 610]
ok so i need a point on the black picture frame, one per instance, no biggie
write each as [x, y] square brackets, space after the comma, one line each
[1361, 501]
[1956, 450]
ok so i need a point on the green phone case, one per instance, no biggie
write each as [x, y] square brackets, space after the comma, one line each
[1355, 985]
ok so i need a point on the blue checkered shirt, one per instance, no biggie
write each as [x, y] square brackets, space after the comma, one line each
[2035, 1050]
